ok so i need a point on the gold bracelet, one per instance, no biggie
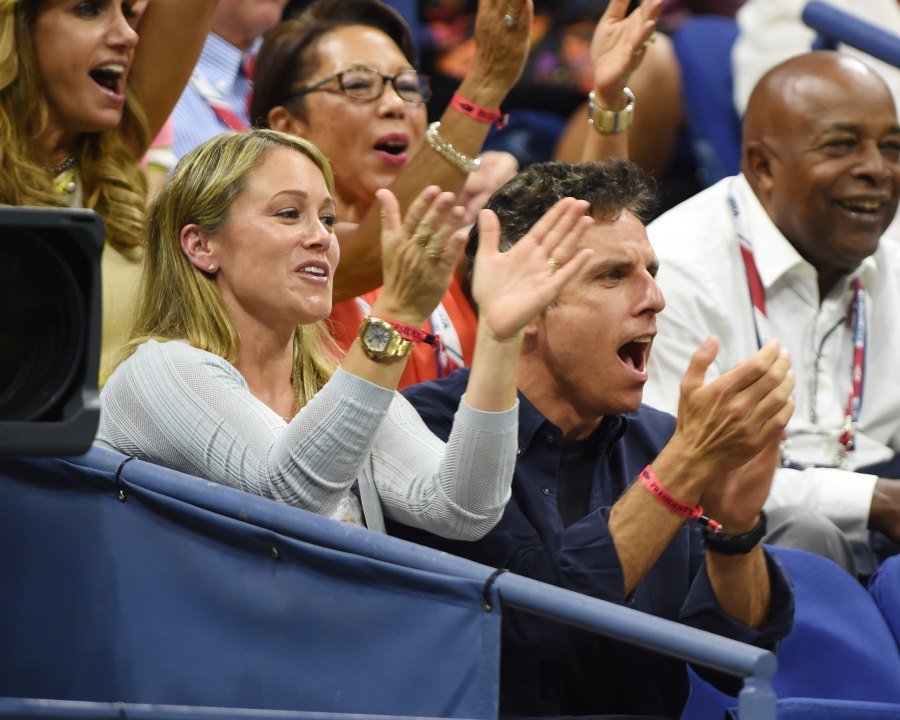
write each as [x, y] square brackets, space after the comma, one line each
[611, 122]
[445, 149]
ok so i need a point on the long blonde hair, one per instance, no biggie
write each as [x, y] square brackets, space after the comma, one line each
[179, 302]
[113, 184]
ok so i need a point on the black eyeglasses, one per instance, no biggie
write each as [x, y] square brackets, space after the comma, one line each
[365, 83]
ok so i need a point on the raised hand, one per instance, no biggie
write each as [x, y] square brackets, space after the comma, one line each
[418, 252]
[502, 41]
[512, 287]
[618, 45]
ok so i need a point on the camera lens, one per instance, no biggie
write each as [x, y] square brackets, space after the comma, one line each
[42, 323]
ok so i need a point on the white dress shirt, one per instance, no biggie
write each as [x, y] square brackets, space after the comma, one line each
[705, 285]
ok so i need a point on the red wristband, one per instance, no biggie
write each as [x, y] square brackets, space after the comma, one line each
[476, 112]
[408, 332]
[691, 512]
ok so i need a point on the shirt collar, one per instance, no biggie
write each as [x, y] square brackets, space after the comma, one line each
[774, 255]
[220, 61]
[531, 421]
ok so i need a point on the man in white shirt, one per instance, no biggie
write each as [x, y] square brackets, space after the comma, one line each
[793, 248]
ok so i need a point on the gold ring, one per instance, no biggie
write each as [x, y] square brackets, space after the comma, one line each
[553, 262]
[433, 255]
[643, 47]
[420, 239]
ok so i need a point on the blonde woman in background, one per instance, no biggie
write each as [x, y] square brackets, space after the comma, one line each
[84, 86]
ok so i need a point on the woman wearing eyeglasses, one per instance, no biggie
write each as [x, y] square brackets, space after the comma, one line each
[343, 76]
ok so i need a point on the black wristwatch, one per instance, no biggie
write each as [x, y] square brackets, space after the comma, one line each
[736, 544]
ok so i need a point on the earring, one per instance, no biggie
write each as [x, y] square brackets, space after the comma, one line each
[211, 268]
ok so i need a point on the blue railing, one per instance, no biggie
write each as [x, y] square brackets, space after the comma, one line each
[834, 25]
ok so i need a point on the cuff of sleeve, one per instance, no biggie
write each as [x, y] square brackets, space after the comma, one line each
[487, 420]
[701, 609]
[844, 497]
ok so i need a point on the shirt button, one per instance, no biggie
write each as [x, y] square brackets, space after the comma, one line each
[518, 451]
[551, 438]
[545, 491]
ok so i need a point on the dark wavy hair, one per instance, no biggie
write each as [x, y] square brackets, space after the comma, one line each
[288, 56]
[610, 187]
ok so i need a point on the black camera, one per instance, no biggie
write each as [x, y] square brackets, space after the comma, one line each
[50, 329]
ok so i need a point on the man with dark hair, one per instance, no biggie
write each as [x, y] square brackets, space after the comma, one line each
[604, 485]
[794, 248]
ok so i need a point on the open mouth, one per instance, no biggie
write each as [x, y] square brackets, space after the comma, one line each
[313, 271]
[393, 148]
[863, 208]
[634, 353]
[110, 77]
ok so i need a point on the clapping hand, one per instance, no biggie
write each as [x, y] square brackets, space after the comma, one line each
[419, 251]
[731, 427]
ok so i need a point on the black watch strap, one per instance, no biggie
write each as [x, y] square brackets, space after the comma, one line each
[736, 544]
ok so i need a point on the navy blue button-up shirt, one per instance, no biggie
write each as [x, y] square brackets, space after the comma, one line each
[550, 669]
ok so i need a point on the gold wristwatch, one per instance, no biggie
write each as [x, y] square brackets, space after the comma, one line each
[381, 340]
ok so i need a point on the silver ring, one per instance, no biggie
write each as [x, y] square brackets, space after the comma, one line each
[509, 20]
[433, 255]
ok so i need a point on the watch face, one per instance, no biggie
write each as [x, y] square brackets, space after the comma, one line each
[377, 337]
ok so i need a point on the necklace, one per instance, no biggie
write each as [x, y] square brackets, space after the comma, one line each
[62, 167]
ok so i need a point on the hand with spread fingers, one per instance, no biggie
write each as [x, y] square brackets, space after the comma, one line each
[511, 288]
[418, 252]
[618, 47]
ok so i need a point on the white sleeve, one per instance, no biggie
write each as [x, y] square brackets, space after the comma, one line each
[187, 409]
[458, 491]
[844, 497]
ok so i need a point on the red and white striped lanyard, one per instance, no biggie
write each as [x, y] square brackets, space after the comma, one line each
[856, 317]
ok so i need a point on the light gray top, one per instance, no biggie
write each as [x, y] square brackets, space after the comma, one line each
[175, 405]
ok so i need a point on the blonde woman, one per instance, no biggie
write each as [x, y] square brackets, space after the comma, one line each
[229, 374]
[72, 129]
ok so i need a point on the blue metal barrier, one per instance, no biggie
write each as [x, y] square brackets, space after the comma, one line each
[19, 708]
[183, 561]
[835, 24]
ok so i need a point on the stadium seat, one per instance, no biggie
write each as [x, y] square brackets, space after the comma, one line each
[703, 46]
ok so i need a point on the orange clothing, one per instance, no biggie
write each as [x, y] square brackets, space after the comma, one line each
[423, 364]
